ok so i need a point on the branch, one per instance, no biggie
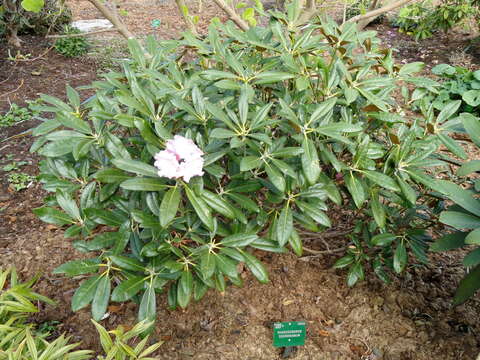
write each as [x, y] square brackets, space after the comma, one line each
[79, 35]
[113, 18]
[232, 14]
[379, 11]
[182, 7]
[363, 23]
[308, 12]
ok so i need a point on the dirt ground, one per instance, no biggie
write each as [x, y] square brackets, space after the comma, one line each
[410, 319]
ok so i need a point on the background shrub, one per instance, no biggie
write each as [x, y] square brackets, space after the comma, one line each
[422, 19]
[292, 122]
[14, 19]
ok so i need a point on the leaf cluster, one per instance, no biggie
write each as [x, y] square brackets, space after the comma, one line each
[19, 339]
[464, 216]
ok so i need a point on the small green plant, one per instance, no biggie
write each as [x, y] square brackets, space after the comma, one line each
[13, 166]
[48, 327]
[72, 46]
[117, 344]
[17, 114]
[415, 20]
[456, 83]
[20, 181]
[31, 16]
[464, 216]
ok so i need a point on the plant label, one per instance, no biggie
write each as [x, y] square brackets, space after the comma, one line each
[290, 333]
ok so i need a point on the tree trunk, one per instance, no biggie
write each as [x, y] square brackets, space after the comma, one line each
[363, 23]
[11, 34]
[11, 8]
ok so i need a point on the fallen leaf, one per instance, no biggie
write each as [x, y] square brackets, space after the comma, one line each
[114, 308]
[323, 333]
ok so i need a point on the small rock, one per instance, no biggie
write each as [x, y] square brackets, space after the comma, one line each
[92, 25]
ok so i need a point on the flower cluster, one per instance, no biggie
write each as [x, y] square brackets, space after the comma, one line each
[181, 159]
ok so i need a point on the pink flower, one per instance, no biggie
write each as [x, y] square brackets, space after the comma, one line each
[181, 159]
[184, 148]
[167, 164]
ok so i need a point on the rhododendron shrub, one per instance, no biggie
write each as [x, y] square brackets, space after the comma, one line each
[177, 170]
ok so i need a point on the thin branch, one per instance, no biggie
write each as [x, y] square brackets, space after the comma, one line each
[79, 35]
[232, 14]
[379, 11]
[15, 90]
[113, 18]
[322, 252]
[30, 60]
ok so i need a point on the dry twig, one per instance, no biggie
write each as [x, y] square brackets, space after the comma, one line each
[13, 91]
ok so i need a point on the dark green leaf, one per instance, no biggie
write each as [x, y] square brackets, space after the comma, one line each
[148, 305]
[78, 267]
[135, 166]
[200, 208]
[256, 267]
[449, 242]
[459, 220]
[53, 216]
[101, 297]
[400, 258]
[468, 286]
[85, 293]
[383, 239]
[169, 206]
[284, 226]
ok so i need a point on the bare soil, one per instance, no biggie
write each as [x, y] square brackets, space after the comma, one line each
[410, 319]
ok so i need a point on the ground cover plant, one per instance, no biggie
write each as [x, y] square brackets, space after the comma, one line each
[276, 127]
[17, 114]
[457, 83]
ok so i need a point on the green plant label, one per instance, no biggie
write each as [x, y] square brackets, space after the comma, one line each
[290, 333]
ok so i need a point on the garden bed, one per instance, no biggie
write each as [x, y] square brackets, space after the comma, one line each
[412, 318]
